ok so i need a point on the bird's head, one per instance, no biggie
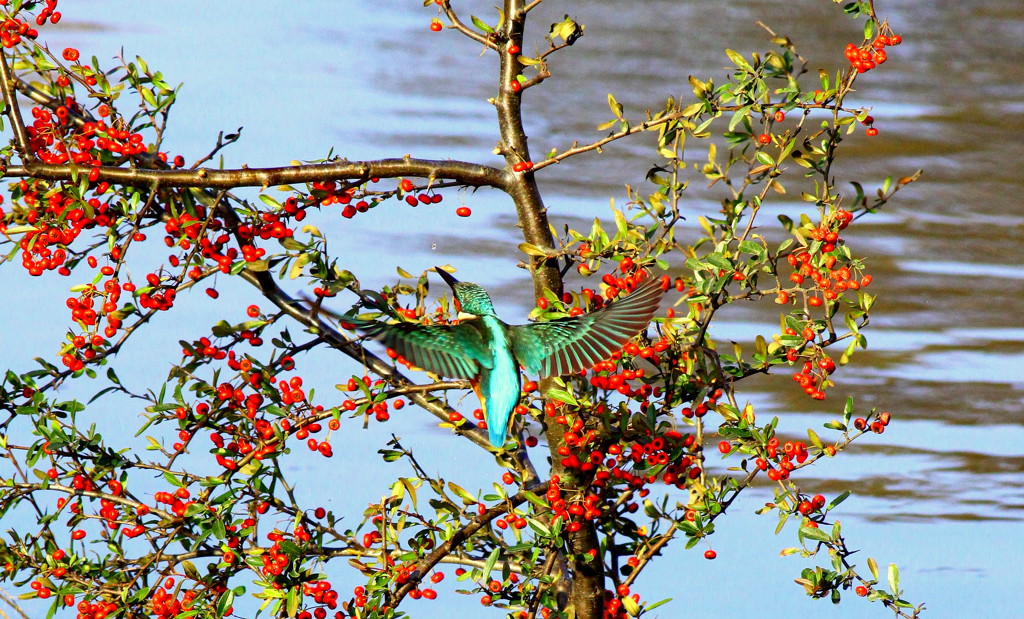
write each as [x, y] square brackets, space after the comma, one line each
[469, 298]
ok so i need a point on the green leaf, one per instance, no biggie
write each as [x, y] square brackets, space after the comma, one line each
[562, 396]
[466, 497]
[718, 260]
[753, 248]
[765, 158]
[839, 499]
[536, 500]
[481, 25]
[491, 560]
[869, 29]
[815, 534]
[539, 527]
[894, 579]
[226, 600]
[738, 60]
[269, 201]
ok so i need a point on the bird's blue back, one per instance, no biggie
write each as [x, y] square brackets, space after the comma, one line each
[500, 385]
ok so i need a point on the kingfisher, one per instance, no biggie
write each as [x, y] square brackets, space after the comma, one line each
[488, 352]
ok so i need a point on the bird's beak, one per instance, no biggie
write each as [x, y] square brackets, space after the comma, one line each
[451, 281]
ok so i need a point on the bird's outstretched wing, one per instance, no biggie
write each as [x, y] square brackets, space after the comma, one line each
[455, 351]
[568, 345]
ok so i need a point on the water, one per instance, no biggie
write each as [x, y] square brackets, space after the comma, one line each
[941, 492]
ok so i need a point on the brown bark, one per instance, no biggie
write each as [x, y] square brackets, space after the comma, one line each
[584, 587]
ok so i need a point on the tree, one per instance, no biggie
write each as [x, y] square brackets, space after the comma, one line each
[606, 468]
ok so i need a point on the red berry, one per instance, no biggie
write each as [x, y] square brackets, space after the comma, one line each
[436, 26]
[764, 138]
[724, 447]
[780, 116]
[463, 211]
[710, 554]
[872, 132]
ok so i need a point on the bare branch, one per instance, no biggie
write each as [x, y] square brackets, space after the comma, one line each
[7, 83]
[472, 174]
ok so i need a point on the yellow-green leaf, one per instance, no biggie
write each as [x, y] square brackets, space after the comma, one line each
[692, 110]
[466, 497]
[873, 566]
[738, 60]
[297, 266]
[532, 250]
[615, 106]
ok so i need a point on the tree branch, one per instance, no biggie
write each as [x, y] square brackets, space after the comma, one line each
[461, 26]
[472, 174]
[8, 84]
[462, 535]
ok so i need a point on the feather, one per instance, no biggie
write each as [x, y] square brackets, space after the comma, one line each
[568, 345]
[455, 351]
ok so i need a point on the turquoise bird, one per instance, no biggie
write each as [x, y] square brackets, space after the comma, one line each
[489, 352]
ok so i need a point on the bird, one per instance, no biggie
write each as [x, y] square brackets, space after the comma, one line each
[488, 352]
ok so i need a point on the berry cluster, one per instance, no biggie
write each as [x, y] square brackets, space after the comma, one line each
[826, 263]
[792, 451]
[863, 59]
